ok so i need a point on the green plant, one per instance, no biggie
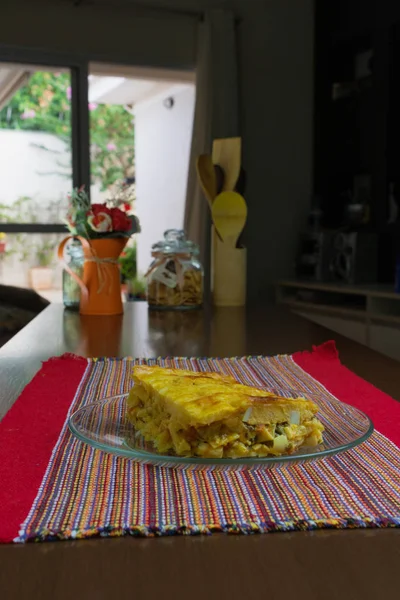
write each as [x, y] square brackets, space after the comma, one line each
[137, 287]
[39, 254]
[18, 243]
[43, 104]
[112, 136]
[25, 210]
[22, 210]
[44, 253]
[127, 262]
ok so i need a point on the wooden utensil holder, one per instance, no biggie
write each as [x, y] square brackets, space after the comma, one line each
[228, 273]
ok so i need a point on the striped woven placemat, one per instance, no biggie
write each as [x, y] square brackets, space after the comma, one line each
[86, 492]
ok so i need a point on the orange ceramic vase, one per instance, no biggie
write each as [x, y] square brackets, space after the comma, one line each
[101, 283]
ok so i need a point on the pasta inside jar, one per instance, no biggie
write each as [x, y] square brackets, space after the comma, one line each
[175, 277]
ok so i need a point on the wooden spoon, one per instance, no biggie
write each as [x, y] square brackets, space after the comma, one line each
[206, 176]
[229, 213]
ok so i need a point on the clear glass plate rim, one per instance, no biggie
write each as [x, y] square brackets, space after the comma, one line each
[162, 458]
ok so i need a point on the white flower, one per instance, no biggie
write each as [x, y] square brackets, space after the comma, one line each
[101, 222]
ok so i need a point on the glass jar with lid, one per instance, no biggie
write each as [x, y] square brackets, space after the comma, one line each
[175, 277]
[71, 289]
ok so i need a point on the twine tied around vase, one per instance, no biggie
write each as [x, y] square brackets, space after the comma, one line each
[103, 273]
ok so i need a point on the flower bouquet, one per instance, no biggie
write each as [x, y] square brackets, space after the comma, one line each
[111, 219]
[103, 230]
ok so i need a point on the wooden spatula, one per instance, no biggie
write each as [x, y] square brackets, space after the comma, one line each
[227, 154]
[206, 175]
[229, 213]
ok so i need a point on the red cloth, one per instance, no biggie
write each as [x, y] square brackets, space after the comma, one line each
[324, 365]
[28, 434]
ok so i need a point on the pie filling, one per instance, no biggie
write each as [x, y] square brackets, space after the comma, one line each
[232, 437]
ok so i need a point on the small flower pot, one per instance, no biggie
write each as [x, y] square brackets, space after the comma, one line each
[40, 278]
[136, 298]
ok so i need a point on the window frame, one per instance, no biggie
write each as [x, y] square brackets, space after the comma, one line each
[80, 134]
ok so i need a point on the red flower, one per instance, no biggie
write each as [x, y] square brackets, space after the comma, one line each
[99, 218]
[126, 206]
[120, 221]
[99, 208]
[100, 222]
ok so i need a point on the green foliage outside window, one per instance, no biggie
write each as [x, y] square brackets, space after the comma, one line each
[43, 104]
[127, 262]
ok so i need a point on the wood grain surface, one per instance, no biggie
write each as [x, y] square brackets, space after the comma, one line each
[315, 565]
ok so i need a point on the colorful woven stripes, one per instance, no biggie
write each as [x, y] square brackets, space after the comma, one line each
[86, 492]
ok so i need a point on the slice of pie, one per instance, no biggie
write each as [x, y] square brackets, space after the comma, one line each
[213, 416]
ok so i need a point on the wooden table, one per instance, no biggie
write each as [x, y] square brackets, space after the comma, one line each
[315, 565]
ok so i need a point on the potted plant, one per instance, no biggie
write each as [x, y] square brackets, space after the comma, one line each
[127, 264]
[41, 276]
[104, 230]
[137, 289]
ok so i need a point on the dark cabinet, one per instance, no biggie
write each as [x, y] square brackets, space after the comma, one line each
[357, 119]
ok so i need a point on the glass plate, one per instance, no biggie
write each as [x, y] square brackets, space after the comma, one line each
[104, 426]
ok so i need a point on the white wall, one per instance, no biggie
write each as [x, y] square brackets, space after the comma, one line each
[162, 147]
[28, 170]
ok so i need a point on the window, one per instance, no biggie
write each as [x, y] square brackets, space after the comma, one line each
[44, 153]
[35, 144]
[62, 126]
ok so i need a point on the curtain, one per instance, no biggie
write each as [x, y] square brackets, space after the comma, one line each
[216, 116]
